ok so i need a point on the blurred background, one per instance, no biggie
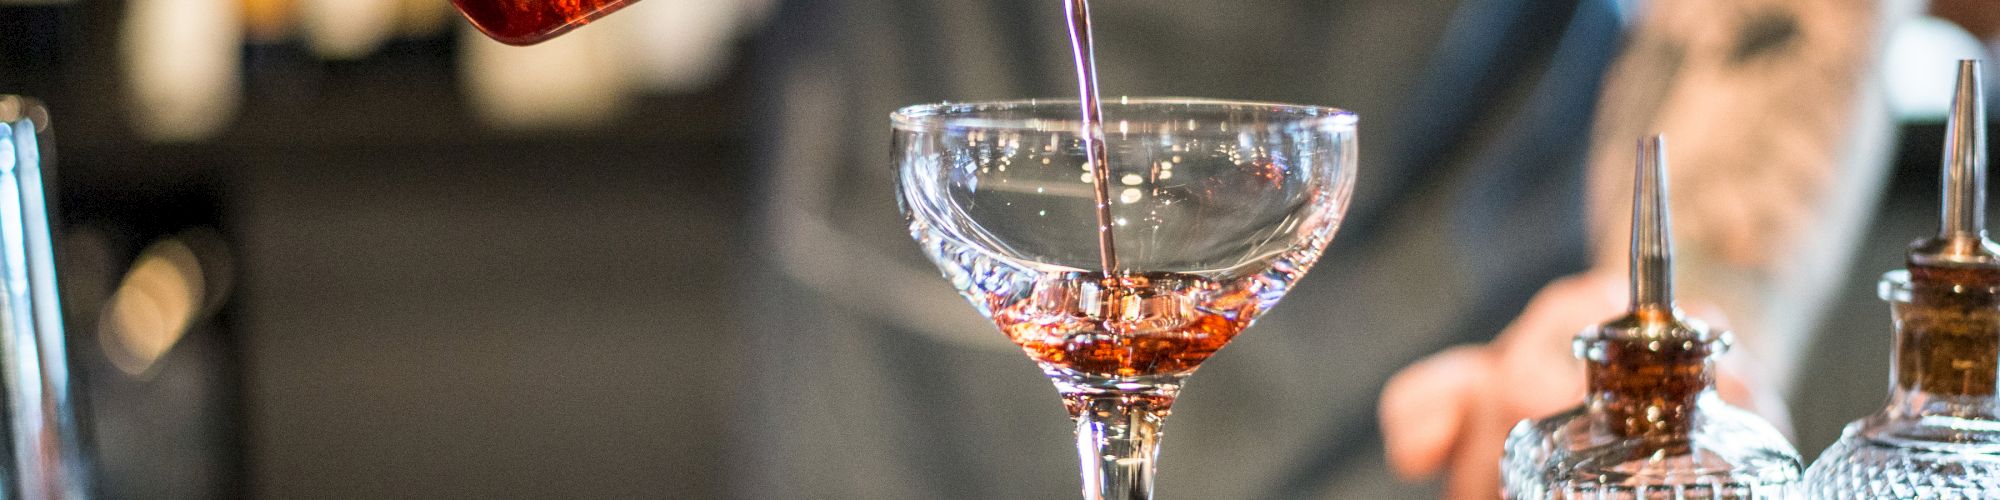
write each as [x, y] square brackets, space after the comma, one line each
[352, 249]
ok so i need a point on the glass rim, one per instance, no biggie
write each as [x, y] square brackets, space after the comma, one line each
[922, 117]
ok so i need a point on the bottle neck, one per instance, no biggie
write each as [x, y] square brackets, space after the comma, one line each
[1947, 346]
[1648, 387]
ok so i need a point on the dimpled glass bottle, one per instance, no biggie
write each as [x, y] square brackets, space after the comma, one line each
[1651, 426]
[1939, 436]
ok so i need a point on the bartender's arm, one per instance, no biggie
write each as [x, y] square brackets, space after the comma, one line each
[1778, 142]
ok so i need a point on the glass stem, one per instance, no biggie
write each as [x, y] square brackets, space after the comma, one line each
[1118, 440]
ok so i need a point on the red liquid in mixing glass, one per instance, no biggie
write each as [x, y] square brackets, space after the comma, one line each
[525, 22]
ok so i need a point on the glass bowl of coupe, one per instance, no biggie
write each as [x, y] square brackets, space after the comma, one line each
[1120, 276]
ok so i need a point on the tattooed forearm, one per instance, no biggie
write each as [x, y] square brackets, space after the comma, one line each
[1778, 140]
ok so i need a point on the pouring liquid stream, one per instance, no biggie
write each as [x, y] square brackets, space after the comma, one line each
[1083, 46]
[1118, 324]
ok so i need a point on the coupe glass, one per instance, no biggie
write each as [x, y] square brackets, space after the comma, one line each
[1216, 208]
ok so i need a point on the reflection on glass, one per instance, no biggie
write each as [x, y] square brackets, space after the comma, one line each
[40, 399]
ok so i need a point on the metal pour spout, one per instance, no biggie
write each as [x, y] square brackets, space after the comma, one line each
[1653, 314]
[1648, 368]
[1652, 230]
[1961, 238]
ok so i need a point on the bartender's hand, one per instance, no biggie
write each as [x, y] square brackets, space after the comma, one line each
[1452, 411]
